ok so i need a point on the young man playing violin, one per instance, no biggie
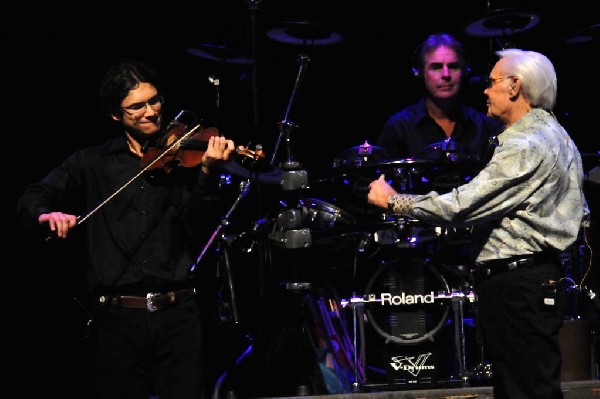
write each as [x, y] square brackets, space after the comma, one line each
[140, 244]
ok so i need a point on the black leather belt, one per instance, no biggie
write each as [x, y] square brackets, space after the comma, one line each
[151, 301]
[493, 267]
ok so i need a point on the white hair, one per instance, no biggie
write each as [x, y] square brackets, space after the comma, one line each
[537, 75]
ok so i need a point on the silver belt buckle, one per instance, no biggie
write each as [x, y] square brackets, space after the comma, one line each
[149, 304]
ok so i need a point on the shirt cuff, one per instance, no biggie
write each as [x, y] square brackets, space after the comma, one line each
[401, 204]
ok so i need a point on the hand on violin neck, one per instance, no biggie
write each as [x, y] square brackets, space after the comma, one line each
[218, 150]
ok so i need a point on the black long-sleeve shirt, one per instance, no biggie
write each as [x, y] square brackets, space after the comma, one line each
[411, 130]
[143, 238]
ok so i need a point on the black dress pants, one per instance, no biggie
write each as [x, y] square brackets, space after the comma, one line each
[139, 354]
[520, 321]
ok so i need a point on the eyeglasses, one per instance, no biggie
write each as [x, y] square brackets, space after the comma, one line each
[489, 82]
[137, 108]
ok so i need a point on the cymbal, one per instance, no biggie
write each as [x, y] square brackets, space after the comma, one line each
[304, 33]
[585, 35]
[373, 170]
[214, 52]
[448, 150]
[502, 22]
[361, 155]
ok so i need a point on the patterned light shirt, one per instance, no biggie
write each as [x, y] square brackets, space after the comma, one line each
[528, 198]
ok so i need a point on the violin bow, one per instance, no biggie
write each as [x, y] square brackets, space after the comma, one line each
[81, 219]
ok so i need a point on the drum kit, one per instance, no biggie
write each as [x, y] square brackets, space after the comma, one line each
[411, 317]
[389, 297]
[400, 285]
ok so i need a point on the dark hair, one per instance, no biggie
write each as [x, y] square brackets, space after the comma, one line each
[120, 79]
[431, 43]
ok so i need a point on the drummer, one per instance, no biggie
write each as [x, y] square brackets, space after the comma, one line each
[440, 114]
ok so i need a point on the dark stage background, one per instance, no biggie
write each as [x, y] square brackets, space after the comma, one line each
[347, 92]
[58, 53]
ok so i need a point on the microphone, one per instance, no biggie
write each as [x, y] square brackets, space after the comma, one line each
[184, 117]
[173, 123]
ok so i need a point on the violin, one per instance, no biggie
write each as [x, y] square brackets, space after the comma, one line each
[178, 148]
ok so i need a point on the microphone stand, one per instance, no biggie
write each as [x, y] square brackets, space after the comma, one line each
[216, 82]
[292, 180]
[245, 188]
[290, 232]
[285, 126]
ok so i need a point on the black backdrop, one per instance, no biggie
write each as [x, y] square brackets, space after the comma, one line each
[347, 92]
[56, 55]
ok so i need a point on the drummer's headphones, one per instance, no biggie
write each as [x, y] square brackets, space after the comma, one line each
[433, 41]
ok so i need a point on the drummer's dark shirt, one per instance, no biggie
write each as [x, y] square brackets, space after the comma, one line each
[411, 130]
[141, 240]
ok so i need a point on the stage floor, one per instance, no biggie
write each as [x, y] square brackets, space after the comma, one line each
[571, 390]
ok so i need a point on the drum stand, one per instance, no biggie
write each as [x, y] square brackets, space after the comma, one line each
[457, 299]
[358, 338]
[459, 336]
[284, 341]
[289, 231]
[308, 374]
[483, 370]
[358, 330]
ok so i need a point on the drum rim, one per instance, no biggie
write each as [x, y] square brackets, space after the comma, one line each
[425, 337]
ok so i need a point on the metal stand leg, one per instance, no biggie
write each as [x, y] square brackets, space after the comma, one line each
[358, 331]
[459, 336]
[482, 370]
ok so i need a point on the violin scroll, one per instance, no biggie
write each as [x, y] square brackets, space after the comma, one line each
[252, 159]
[256, 155]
